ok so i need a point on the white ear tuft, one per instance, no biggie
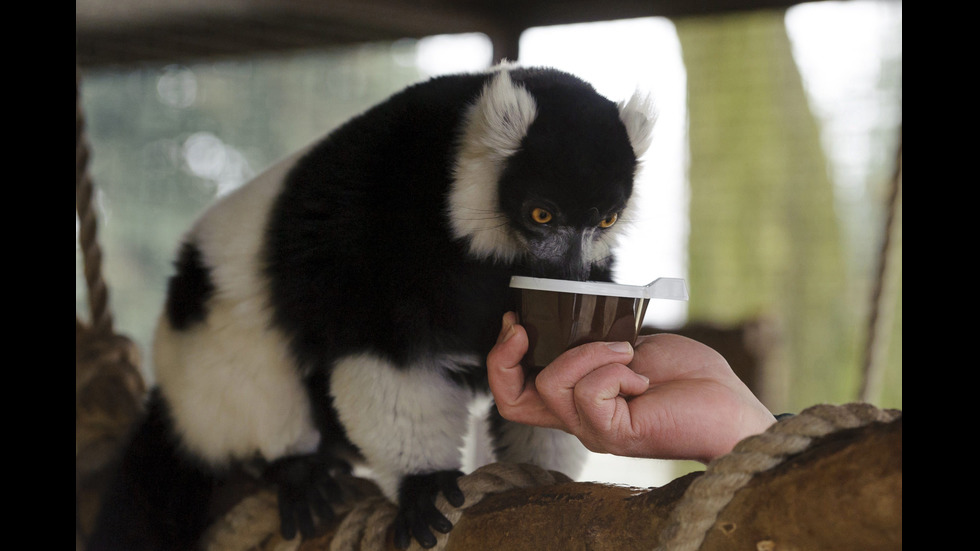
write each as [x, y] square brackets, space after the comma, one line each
[639, 116]
[493, 130]
[503, 113]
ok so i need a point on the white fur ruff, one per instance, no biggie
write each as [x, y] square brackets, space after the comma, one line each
[404, 420]
[493, 130]
[230, 381]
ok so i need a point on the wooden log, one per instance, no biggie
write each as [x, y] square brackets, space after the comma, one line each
[570, 516]
[843, 492]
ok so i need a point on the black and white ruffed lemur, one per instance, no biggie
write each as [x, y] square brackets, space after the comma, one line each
[339, 308]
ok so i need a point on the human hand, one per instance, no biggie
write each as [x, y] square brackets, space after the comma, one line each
[670, 397]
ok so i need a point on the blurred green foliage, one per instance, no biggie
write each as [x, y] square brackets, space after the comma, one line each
[769, 237]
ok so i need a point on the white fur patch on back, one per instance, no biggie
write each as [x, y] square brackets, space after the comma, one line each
[404, 420]
[493, 129]
[231, 381]
[233, 388]
[230, 234]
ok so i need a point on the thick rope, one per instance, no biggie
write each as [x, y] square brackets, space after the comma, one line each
[366, 526]
[705, 498]
[252, 524]
[98, 294]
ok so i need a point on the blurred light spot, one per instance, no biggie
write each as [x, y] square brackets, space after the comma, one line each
[211, 159]
[205, 154]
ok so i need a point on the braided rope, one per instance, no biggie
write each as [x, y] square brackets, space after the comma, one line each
[98, 294]
[249, 526]
[704, 499]
[366, 526]
[254, 522]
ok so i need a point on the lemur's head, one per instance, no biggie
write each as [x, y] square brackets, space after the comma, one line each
[545, 172]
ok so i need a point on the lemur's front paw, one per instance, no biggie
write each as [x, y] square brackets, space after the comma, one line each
[417, 510]
[307, 490]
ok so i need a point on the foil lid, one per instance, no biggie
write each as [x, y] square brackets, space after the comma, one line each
[671, 288]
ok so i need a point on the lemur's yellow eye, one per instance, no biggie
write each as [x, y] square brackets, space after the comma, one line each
[541, 216]
[608, 221]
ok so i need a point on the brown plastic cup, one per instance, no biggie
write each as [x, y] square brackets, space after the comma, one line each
[560, 314]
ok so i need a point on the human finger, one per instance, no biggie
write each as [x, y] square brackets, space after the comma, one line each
[666, 357]
[604, 410]
[556, 383]
[516, 398]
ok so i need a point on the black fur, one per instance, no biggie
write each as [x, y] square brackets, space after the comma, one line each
[359, 256]
[160, 498]
[307, 489]
[419, 492]
[361, 226]
[189, 289]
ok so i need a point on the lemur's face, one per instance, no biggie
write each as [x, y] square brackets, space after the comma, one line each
[545, 174]
[565, 215]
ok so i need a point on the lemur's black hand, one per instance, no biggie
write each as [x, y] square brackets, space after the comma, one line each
[307, 489]
[417, 512]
